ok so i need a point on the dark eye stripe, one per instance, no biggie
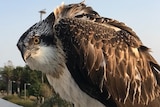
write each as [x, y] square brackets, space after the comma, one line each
[48, 40]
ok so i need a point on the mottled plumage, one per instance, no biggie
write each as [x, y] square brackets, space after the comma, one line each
[92, 60]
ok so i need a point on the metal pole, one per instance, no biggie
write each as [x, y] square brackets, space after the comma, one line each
[40, 16]
[24, 91]
[25, 85]
[41, 13]
[11, 87]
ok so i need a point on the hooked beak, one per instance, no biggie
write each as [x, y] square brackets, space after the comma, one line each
[25, 52]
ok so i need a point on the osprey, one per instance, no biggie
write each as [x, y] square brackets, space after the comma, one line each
[92, 61]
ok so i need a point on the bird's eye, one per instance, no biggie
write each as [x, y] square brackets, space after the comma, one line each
[36, 40]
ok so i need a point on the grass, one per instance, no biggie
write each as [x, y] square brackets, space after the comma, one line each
[20, 101]
[54, 101]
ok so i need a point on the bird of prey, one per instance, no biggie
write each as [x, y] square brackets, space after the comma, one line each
[92, 61]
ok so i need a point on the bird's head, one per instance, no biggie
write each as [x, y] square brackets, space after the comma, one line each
[39, 46]
[38, 35]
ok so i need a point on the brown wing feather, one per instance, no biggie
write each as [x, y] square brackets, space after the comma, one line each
[115, 60]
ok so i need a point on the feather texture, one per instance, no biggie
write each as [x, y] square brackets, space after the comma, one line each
[114, 60]
[96, 57]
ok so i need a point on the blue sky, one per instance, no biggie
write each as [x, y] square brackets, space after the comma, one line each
[16, 16]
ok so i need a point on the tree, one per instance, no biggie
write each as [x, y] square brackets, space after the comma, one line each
[56, 101]
[17, 76]
[3, 85]
[24, 75]
[34, 78]
[7, 75]
[45, 91]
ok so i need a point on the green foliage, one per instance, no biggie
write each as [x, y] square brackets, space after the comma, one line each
[45, 91]
[16, 77]
[3, 85]
[35, 89]
[55, 100]
[7, 75]
[17, 73]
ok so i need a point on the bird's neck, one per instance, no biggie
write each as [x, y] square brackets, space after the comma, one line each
[67, 88]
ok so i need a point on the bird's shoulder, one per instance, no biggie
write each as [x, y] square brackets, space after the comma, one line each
[113, 59]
